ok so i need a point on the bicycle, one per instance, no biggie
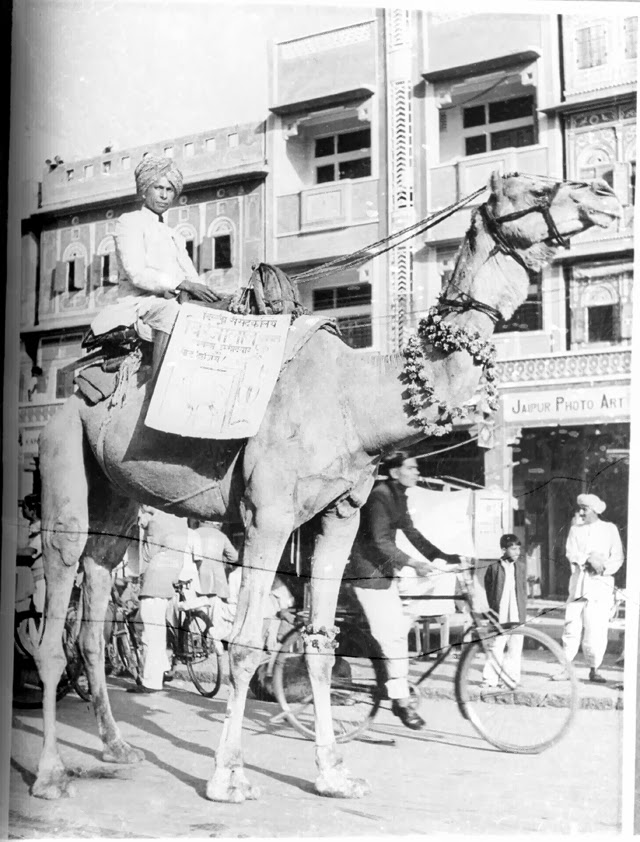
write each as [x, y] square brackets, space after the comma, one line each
[29, 626]
[190, 642]
[515, 716]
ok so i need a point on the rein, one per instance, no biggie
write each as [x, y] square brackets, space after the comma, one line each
[493, 225]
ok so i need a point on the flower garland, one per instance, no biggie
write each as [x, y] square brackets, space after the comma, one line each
[447, 337]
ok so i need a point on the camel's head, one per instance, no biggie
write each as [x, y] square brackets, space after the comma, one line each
[572, 208]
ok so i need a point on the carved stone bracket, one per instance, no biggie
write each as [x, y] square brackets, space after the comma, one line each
[290, 129]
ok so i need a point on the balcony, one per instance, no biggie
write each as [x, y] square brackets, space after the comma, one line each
[320, 220]
[451, 182]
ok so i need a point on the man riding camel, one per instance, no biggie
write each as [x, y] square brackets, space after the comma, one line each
[153, 264]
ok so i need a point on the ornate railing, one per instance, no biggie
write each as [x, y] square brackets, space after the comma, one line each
[569, 366]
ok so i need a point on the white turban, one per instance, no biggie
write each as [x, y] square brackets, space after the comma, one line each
[152, 168]
[592, 502]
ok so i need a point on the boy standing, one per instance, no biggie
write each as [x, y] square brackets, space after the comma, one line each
[505, 584]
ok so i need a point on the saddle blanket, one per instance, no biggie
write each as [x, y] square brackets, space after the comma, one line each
[220, 369]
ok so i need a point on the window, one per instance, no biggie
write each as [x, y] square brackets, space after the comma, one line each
[353, 295]
[108, 270]
[222, 252]
[512, 137]
[168, 151]
[355, 326]
[189, 150]
[356, 331]
[71, 276]
[630, 38]
[233, 140]
[126, 162]
[473, 116]
[88, 171]
[106, 167]
[510, 109]
[475, 145]
[528, 316]
[512, 121]
[591, 46]
[210, 144]
[65, 386]
[342, 156]
[601, 323]
[69, 175]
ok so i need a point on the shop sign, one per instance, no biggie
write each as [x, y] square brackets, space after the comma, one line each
[595, 403]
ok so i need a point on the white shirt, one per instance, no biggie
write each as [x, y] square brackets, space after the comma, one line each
[152, 260]
[598, 537]
[508, 611]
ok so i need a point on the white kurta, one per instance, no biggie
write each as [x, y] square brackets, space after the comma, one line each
[590, 595]
[599, 537]
[152, 261]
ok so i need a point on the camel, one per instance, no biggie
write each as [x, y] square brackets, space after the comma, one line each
[333, 412]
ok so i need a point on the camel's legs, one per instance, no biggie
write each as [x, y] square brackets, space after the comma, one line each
[265, 539]
[110, 520]
[64, 532]
[330, 555]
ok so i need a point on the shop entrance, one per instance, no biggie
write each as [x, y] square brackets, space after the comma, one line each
[554, 465]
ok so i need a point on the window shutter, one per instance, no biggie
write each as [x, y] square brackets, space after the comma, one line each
[95, 274]
[59, 279]
[626, 319]
[80, 277]
[206, 254]
[622, 182]
[578, 326]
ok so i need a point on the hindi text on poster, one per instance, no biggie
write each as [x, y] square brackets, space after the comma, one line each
[218, 373]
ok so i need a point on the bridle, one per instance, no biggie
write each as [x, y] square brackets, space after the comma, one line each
[493, 224]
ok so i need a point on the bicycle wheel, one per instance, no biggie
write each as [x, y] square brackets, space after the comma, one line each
[524, 714]
[200, 654]
[128, 654]
[355, 697]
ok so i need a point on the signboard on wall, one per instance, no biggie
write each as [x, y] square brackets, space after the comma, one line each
[565, 405]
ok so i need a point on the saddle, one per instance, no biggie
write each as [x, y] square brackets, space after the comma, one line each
[269, 291]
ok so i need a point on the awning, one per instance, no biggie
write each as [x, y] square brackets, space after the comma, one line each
[479, 68]
[344, 97]
[610, 96]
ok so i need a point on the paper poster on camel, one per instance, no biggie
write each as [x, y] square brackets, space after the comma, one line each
[218, 374]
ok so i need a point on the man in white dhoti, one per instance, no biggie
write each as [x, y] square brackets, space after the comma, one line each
[594, 551]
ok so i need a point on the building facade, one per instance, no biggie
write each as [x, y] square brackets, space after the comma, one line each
[379, 124]
[370, 128]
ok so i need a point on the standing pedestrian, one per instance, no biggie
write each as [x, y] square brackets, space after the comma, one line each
[505, 584]
[594, 551]
[375, 561]
[162, 551]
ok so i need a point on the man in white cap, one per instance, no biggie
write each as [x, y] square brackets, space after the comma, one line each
[153, 264]
[594, 551]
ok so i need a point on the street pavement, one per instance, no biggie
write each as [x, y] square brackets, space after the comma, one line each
[445, 779]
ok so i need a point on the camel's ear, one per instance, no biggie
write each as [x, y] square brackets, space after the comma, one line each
[495, 184]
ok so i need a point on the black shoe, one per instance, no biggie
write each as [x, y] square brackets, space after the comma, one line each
[168, 676]
[596, 678]
[140, 688]
[408, 716]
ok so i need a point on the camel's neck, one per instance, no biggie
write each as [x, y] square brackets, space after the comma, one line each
[378, 384]
[490, 277]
